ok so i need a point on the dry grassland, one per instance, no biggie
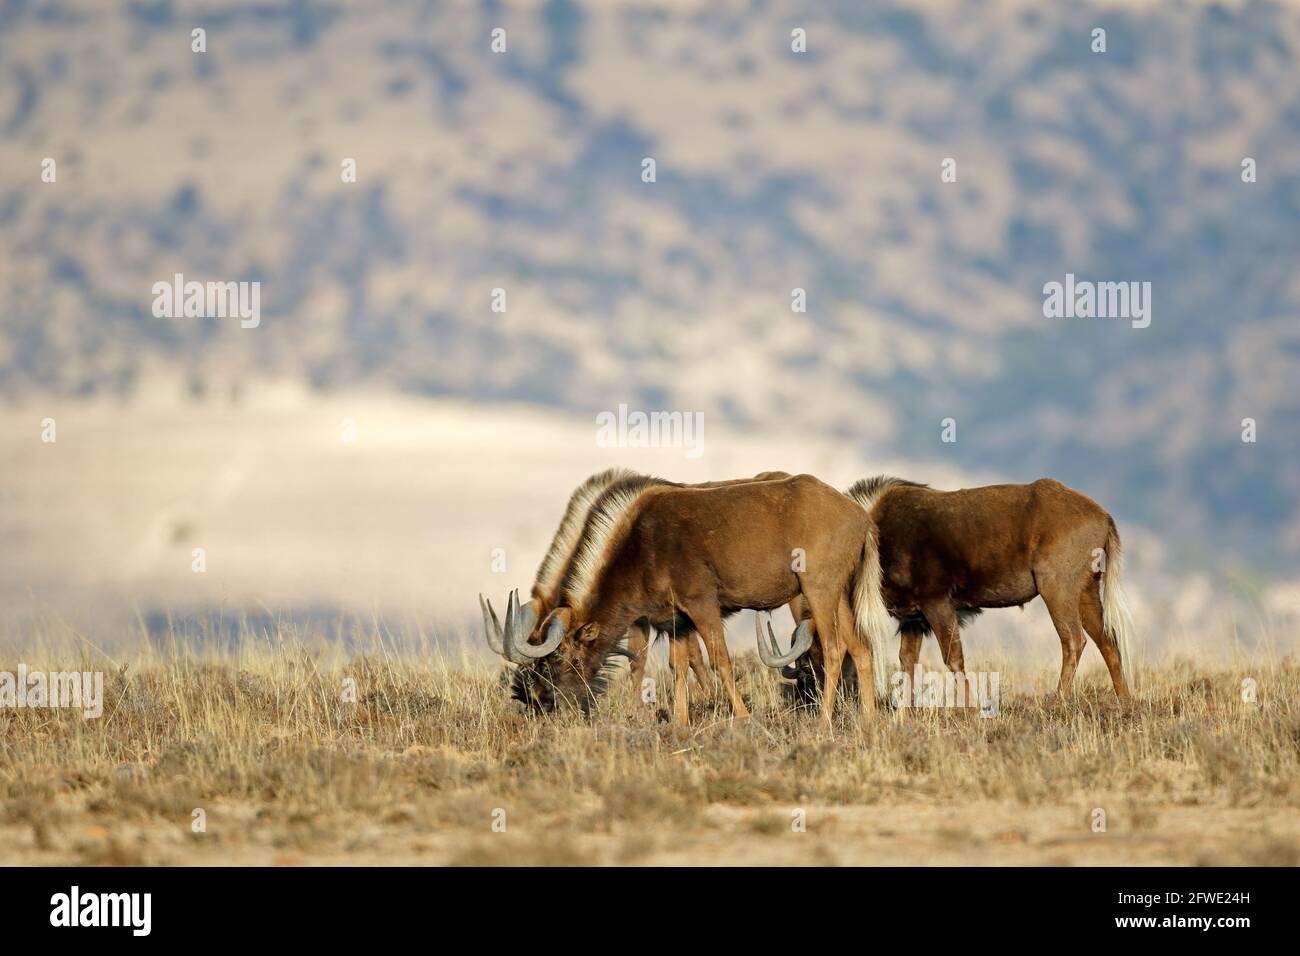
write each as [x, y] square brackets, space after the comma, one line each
[286, 770]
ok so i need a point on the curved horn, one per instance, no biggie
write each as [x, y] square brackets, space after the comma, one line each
[554, 634]
[508, 633]
[769, 652]
[515, 637]
[491, 626]
[528, 618]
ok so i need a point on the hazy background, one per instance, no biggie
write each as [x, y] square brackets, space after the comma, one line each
[523, 171]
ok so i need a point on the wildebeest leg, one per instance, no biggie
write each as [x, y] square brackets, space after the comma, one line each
[709, 621]
[942, 618]
[829, 635]
[951, 650]
[909, 651]
[698, 665]
[817, 661]
[860, 649]
[1090, 611]
[638, 645]
[833, 661]
[678, 659]
[1062, 600]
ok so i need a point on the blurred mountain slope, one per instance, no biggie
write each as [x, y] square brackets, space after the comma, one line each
[775, 170]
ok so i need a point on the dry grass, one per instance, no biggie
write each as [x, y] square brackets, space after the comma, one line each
[286, 771]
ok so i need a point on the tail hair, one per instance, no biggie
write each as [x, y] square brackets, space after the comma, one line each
[1116, 618]
[869, 612]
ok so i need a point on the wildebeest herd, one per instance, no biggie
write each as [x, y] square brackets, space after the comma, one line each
[636, 555]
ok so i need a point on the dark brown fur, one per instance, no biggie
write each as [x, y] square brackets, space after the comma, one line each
[947, 553]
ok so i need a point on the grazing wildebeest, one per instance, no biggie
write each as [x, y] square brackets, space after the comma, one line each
[695, 554]
[946, 555]
[684, 643]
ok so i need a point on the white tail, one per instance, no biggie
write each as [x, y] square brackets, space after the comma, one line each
[870, 614]
[1115, 615]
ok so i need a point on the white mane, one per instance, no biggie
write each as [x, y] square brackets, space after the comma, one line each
[550, 574]
[606, 522]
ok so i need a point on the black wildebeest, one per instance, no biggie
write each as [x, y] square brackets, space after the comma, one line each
[684, 642]
[667, 553]
[946, 555]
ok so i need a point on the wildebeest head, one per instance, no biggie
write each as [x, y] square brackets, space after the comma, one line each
[573, 672]
[804, 691]
[560, 661]
[532, 686]
[806, 674]
[527, 683]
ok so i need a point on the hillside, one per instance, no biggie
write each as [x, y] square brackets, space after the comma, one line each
[775, 170]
